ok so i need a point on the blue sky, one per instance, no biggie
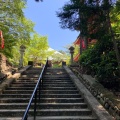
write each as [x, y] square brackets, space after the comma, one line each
[43, 14]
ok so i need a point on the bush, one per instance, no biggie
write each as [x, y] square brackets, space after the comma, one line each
[101, 61]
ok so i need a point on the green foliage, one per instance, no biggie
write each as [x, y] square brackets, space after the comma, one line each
[56, 65]
[93, 20]
[37, 49]
[15, 27]
[15, 56]
[107, 66]
[102, 62]
[69, 15]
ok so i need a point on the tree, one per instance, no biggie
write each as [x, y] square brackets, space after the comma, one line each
[37, 49]
[69, 15]
[76, 14]
[113, 30]
[16, 28]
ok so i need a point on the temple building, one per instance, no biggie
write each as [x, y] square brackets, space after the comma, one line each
[77, 43]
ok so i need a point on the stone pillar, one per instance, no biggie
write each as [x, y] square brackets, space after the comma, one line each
[22, 50]
[71, 52]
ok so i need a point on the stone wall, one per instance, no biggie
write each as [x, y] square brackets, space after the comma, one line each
[4, 64]
[105, 101]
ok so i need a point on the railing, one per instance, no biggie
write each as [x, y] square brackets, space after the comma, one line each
[34, 94]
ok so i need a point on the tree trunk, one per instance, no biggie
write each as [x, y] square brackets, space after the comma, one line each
[86, 42]
[114, 41]
[81, 46]
[83, 32]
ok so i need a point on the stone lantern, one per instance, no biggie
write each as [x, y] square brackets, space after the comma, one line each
[22, 50]
[71, 52]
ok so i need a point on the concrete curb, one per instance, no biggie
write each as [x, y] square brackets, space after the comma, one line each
[97, 108]
[6, 83]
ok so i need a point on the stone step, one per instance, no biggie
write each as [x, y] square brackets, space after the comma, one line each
[56, 78]
[58, 85]
[63, 112]
[63, 118]
[55, 83]
[25, 82]
[61, 100]
[59, 91]
[56, 74]
[23, 85]
[44, 88]
[59, 88]
[47, 112]
[55, 70]
[58, 82]
[14, 100]
[26, 79]
[15, 96]
[20, 88]
[29, 76]
[32, 75]
[32, 72]
[53, 118]
[62, 106]
[42, 100]
[44, 105]
[61, 95]
[48, 74]
[12, 118]
[42, 91]
[42, 95]
[17, 91]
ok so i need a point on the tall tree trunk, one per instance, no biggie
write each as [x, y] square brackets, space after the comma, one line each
[81, 46]
[86, 42]
[81, 29]
[0, 64]
[113, 39]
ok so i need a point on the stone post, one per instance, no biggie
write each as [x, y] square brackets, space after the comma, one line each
[22, 50]
[71, 52]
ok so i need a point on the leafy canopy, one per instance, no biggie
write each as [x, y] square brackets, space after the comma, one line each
[15, 27]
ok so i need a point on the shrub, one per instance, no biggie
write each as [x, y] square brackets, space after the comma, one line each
[101, 61]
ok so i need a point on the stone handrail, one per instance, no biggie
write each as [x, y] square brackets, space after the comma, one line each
[105, 101]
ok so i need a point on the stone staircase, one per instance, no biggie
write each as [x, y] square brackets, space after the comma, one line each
[60, 99]
[15, 98]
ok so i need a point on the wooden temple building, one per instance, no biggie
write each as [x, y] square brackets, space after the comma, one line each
[77, 42]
